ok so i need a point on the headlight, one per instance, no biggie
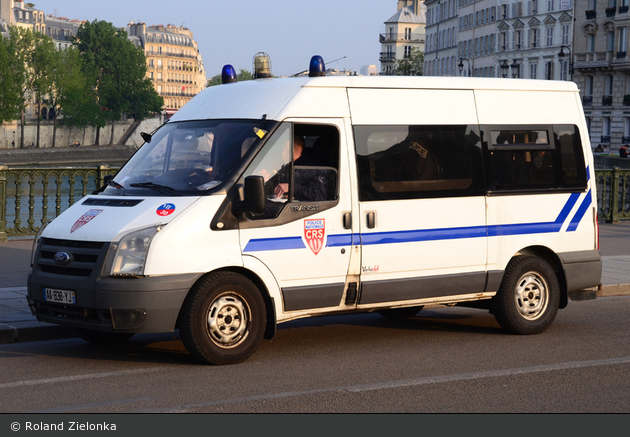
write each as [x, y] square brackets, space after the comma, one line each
[126, 257]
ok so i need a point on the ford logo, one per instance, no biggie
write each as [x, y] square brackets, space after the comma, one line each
[62, 258]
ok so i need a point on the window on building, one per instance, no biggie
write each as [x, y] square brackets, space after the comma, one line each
[550, 36]
[407, 51]
[590, 43]
[610, 41]
[623, 42]
[608, 85]
[407, 33]
[549, 70]
[565, 34]
[550, 5]
[518, 40]
[588, 86]
[564, 70]
[535, 38]
[533, 70]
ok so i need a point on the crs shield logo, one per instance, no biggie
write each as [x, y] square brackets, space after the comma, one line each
[85, 219]
[314, 232]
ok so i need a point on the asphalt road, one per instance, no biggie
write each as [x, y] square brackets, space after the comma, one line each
[453, 360]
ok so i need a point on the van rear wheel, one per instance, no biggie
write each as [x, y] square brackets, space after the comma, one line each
[223, 319]
[529, 296]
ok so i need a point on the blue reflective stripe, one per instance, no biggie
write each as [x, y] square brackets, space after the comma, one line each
[423, 235]
[339, 240]
[284, 243]
[409, 236]
[579, 215]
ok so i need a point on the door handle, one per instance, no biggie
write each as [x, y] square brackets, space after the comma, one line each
[371, 220]
[347, 220]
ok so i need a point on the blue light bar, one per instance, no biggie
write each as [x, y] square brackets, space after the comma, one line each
[317, 67]
[228, 74]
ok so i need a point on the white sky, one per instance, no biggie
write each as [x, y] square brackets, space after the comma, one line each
[232, 32]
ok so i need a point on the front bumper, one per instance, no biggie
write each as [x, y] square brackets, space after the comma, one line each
[138, 305]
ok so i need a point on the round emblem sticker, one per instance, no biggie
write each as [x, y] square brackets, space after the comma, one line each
[166, 209]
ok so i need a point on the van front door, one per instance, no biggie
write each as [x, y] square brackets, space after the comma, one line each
[301, 237]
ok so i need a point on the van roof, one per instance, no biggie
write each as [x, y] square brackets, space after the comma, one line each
[251, 99]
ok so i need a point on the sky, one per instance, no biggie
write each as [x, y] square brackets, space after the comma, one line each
[232, 32]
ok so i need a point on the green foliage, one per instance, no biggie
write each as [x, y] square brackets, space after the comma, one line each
[413, 65]
[115, 69]
[242, 76]
[11, 78]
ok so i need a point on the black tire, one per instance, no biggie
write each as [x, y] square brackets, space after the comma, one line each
[99, 337]
[527, 301]
[223, 319]
[400, 313]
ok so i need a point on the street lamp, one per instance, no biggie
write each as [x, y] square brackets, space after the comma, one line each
[461, 66]
[515, 71]
[562, 55]
[504, 68]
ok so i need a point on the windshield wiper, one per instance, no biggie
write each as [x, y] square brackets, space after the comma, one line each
[157, 187]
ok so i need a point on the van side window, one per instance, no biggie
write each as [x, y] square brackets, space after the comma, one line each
[410, 162]
[535, 157]
[299, 164]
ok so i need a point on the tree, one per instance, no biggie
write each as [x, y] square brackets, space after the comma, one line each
[21, 41]
[69, 90]
[116, 70]
[242, 76]
[11, 77]
[41, 58]
[412, 65]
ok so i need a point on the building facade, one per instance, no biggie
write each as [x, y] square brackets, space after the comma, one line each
[602, 69]
[174, 63]
[441, 57]
[404, 31]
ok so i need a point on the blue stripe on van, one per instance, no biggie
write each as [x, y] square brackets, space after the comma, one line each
[408, 236]
[577, 218]
[284, 243]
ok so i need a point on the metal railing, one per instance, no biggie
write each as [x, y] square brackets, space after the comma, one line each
[31, 196]
[613, 195]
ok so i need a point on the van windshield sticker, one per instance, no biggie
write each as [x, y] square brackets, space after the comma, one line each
[166, 209]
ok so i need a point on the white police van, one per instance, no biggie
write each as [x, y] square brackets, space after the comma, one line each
[270, 200]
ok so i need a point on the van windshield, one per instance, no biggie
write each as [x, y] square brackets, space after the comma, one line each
[186, 158]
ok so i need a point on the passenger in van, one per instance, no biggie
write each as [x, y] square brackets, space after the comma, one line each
[308, 186]
[409, 160]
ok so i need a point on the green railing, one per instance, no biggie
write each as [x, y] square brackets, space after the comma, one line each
[613, 194]
[31, 196]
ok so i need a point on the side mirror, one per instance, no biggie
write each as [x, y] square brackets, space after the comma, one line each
[254, 191]
[146, 137]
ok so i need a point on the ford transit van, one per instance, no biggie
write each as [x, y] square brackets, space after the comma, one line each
[269, 200]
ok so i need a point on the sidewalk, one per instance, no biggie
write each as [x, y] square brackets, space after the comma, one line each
[17, 324]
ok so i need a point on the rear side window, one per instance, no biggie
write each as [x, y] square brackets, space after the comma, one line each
[418, 161]
[526, 158]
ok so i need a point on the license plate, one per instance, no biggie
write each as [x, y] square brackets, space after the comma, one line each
[59, 296]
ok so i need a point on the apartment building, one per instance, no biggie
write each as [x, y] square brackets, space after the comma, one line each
[602, 69]
[404, 31]
[441, 55]
[174, 63]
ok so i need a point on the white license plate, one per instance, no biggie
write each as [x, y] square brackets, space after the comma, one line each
[59, 296]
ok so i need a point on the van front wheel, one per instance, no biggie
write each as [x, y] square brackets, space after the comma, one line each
[223, 319]
[529, 296]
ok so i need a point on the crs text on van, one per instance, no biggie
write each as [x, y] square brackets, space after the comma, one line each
[269, 200]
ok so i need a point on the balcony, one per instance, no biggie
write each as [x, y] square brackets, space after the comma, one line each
[625, 140]
[623, 9]
[587, 101]
[388, 57]
[401, 37]
[591, 15]
[610, 12]
[607, 100]
[626, 100]
[605, 139]
[621, 55]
